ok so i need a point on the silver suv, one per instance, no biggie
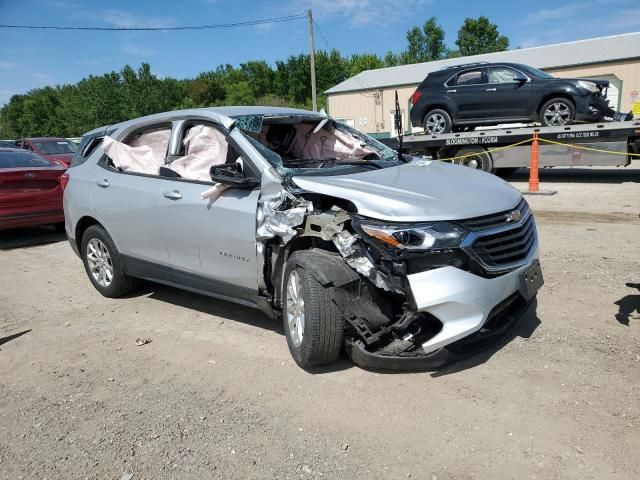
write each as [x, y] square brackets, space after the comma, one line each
[403, 262]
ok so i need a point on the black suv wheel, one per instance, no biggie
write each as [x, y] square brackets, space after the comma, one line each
[557, 112]
[437, 121]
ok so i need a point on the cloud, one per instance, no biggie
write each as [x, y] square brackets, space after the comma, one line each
[7, 65]
[624, 20]
[137, 50]
[122, 19]
[547, 14]
[361, 13]
[43, 77]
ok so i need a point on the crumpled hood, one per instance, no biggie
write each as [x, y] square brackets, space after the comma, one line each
[417, 192]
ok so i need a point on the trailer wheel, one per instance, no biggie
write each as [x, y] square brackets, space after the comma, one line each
[474, 157]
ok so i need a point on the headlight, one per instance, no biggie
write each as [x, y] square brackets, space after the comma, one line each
[591, 86]
[431, 236]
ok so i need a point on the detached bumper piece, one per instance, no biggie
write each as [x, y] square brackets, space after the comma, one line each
[499, 323]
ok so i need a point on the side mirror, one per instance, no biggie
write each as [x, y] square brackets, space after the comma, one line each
[231, 174]
[518, 78]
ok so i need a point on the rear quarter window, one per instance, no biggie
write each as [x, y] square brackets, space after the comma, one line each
[87, 146]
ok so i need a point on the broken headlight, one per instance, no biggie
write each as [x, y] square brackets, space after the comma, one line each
[415, 237]
[587, 85]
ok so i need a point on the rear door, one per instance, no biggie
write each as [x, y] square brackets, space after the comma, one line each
[126, 203]
[506, 98]
[467, 90]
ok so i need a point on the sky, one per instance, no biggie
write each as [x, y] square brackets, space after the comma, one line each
[35, 58]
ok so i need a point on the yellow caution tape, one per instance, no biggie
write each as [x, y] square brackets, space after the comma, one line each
[487, 151]
[589, 148]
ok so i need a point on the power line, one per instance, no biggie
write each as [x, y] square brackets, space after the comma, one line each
[155, 29]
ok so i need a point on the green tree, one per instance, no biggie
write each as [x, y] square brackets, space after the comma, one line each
[433, 39]
[360, 62]
[478, 36]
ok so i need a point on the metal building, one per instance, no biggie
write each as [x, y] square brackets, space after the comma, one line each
[366, 100]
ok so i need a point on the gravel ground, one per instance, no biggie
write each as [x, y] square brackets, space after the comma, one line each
[215, 393]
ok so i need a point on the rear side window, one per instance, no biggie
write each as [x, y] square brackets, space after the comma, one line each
[22, 159]
[87, 146]
[469, 77]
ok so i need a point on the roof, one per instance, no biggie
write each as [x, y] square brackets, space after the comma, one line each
[581, 52]
[224, 115]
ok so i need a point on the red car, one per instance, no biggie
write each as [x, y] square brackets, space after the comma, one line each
[58, 150]
[30, 190]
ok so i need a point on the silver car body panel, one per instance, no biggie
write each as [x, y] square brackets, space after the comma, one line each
[418, 193]
[460, 300]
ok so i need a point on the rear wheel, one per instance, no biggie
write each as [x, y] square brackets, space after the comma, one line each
[557, 112]
[474, 157]
[437, 121]
[103, 264]
[312, 324]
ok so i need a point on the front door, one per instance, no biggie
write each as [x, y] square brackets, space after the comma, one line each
[508, 99]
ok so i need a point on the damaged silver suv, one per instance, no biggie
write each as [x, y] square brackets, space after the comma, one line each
[403, 262]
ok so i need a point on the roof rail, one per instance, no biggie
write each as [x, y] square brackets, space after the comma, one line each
[461, 65]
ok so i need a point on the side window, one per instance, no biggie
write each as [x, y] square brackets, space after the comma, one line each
[143, 151]
[470, 77]
[202, 146]
[501, 75]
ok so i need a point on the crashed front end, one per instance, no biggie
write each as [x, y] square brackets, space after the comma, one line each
[425, 293]
[419, 293]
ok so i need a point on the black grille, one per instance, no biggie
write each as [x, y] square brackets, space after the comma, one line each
[495, 220]
[506, 247]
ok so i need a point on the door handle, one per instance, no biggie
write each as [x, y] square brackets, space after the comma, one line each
[172, 195]
[490, 90]
[452, 91]
[103, 183]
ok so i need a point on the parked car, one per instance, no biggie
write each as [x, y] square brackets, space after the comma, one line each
[405, 262]
[30, 190]
[7, 144]
[477, 94]
[58, 150]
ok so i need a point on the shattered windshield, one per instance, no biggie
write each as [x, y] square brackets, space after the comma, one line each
[315, 145]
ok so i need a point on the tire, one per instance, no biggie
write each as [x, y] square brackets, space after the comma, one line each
[478, 158]
[437, 121]
[318, 339]
[97, 249]
[557, 112]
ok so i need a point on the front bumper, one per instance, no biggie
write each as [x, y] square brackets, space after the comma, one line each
[460, 300]
[503, 320]
[590, 108]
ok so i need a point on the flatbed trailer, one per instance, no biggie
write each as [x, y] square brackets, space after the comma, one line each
[581, 145]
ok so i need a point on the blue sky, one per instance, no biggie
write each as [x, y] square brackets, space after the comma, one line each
[33, 58]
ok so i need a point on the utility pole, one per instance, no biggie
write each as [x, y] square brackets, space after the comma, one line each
[312, 55]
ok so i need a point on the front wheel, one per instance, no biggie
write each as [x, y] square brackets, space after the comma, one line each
[557, 112]
[312, 324]
[437, 121]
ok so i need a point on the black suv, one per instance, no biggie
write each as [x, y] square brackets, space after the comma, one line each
[476, 94]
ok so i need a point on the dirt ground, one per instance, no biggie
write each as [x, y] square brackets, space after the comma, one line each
[216, 394]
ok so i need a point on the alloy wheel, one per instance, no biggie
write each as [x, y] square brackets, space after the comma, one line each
[295, 308]
[435, 123]
[557, 114]
[100, 264]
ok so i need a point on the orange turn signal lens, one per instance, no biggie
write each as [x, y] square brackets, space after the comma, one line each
[382, 235]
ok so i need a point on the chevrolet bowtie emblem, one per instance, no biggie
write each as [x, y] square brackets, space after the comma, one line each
[513, 217]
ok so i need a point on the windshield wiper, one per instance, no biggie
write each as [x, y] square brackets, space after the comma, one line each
[334, 161]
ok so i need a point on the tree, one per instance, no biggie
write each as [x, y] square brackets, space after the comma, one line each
[424, 45]
[478, 36]
[433, 39]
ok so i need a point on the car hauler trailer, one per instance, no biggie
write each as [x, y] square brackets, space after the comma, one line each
[586, 145]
